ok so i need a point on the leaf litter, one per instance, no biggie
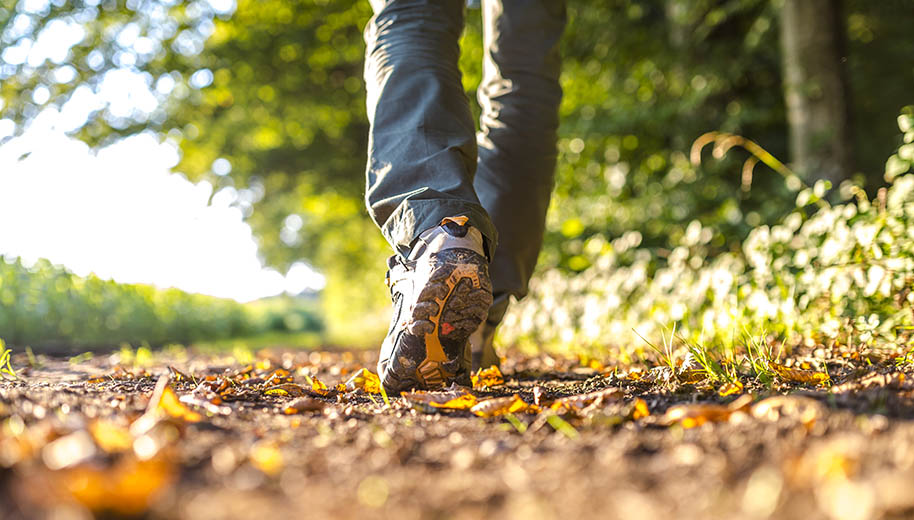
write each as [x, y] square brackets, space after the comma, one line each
[127, 456]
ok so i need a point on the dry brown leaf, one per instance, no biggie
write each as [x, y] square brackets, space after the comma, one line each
[487, 377]
[286, 389]
[304, 404]
[177, 375]
[364, 379]
[692, 375]
[279, 376]
[799, 376]
[805, 409]
[503, 405]
[579, 402]
[692, 415]
[894, 380]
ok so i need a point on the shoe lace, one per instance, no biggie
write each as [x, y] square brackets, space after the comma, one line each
[397, 271]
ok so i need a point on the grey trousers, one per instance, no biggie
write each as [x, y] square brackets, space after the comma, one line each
[425, 159]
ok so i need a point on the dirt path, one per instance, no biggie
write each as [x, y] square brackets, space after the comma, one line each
[211, 438]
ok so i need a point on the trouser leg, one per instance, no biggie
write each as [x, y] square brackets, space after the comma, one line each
[421, 149]
[520, 96]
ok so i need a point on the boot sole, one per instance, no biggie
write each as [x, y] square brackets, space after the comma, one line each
[432, 350]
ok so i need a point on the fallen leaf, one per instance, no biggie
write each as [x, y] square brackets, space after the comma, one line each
[692, 375]
[634, 375]
[279, 376]
[177, 375]
[364, 379]
[318, 387]
[730, 389]
[128, 488]
[799, 376]
[487, 377]
[304, 404]
[286, 389]
[463, 402]
[579, 402]
[640, 409]
[266, 457]
[693, 415]
[502, 405]
[804, 409]
[110, 436]
[455, 398]
[171, 405]
[895, 381]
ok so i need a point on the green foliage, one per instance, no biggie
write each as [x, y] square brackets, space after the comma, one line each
[267, 102]
[843, 272]
[45, 305]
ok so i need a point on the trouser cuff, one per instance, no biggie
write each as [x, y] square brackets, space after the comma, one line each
[412, 217]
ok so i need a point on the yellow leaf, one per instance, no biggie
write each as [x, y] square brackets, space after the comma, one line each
[110, 436]
[364, 379]
[285, 389]
[730, 389]
[464, 402]
[799, 376]
[635, 375]
[318, 387]
[491, 376]
[266, 457]
[502, 405]
[640, 409]
[451, 399]
[170, 404]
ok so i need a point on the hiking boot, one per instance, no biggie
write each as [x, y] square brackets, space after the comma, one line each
[441, 294]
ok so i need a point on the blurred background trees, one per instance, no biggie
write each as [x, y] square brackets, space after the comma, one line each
[265, 98]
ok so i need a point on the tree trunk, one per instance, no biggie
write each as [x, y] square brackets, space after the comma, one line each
[816, 89]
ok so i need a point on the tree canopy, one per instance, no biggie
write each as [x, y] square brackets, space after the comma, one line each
[265, 99]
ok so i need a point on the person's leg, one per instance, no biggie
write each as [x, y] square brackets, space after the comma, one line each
[519, 96]
[421, 162]
[421, 148]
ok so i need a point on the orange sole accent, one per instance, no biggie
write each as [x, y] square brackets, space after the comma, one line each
[430, 372]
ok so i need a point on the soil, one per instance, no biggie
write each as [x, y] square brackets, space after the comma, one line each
[193, 435]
